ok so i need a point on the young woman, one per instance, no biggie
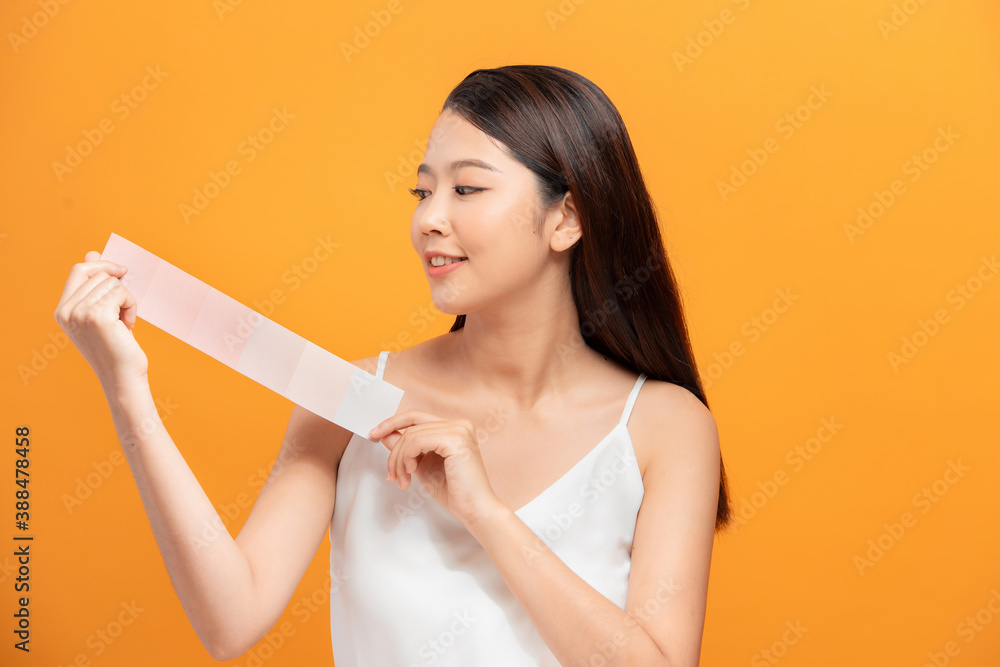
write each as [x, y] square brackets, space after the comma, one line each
[549, 489]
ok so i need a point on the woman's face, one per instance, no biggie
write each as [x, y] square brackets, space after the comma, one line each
[478, 203]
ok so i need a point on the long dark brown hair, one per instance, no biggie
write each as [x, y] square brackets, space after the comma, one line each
[565, 129]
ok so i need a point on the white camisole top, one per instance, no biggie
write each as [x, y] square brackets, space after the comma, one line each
[411, 587]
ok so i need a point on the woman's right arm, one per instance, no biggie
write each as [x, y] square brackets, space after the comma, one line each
[232, 590]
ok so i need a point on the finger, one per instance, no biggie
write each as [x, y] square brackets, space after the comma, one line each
[400, 472]
[390, 440]
[69, 303]
[394, 455]
[81, 273]
[401, 421]
[409, 451]
[101, 296]
[396, 447]
[127, 305]
[112, 294]
[83, 290]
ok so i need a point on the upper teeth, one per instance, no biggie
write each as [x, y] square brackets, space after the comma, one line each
[440, 260]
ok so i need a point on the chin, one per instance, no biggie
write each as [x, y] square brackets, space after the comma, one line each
[447, 307]
[449, 298]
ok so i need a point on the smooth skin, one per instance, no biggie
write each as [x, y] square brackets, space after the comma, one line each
[515, 385]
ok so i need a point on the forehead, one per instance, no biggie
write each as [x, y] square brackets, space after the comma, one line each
[452, 138]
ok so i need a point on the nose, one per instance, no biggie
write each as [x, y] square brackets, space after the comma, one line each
[434, 215]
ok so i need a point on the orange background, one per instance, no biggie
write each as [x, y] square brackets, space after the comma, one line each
[888, 88]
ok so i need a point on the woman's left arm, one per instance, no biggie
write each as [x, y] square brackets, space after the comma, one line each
[668, 582]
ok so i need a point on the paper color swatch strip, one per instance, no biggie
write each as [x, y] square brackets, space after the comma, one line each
[248, 342]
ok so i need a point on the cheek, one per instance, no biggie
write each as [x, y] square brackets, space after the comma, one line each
[415, 237]
[506, 244]
[517, 215]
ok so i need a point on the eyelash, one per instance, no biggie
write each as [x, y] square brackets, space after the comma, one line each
[417, 192]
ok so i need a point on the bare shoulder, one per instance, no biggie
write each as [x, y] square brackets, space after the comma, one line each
[670, 426]
[410, 364]
[675, 527]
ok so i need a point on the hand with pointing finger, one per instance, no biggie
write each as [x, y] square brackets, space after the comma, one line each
[446, 459]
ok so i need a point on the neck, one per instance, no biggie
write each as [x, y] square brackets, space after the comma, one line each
[524, 349]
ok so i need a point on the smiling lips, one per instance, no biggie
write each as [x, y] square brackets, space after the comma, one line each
[442, 264]
[441, 260]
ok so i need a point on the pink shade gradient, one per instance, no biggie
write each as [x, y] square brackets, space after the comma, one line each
[173, 300]
[362, 407]
[271, 355]
[141, 264]
[222, 328]
[321, 381]
[253, 345]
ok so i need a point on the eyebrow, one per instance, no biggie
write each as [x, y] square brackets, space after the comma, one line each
[425, 168]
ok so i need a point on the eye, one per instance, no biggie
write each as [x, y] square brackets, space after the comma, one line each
[468, 188]
[418, 193]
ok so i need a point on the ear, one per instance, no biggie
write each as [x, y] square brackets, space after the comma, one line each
[568, 230]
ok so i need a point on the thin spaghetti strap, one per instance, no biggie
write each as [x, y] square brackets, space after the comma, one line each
[631, 398]
[381, 363]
